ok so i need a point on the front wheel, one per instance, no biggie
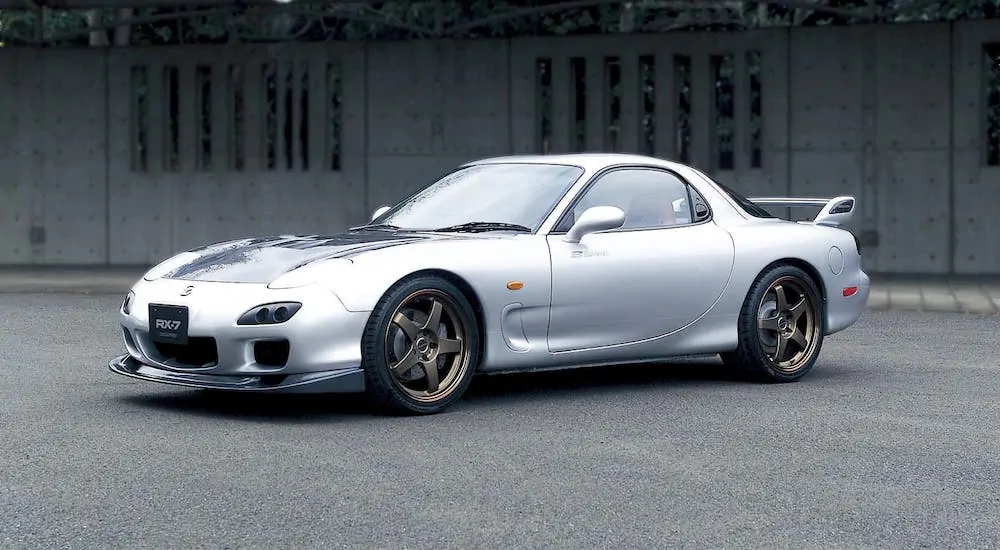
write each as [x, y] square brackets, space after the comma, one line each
[421, 346]
[780, 327]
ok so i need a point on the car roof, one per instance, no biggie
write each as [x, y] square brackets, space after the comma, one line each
[587, 161]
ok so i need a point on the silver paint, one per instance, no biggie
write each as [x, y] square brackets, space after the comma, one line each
[613, 295]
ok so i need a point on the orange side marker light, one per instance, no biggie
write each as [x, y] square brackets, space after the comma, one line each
[515, 285]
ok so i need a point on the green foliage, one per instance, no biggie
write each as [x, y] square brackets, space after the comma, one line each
[303, 21]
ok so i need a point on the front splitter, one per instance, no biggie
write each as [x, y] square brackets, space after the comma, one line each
[335, 381]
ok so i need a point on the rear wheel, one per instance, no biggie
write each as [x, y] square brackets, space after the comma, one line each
[421, 346]
[780, 327]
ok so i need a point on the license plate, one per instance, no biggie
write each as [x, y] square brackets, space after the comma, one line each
[168, 324]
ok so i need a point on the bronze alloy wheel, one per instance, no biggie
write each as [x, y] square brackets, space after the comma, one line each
[781, 326]
[426, 346]
[787, 324]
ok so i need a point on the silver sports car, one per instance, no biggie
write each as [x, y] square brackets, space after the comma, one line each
[505, 264]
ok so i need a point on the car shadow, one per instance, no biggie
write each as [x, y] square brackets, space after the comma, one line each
[254, 407]
[485, 390]
[610, 378]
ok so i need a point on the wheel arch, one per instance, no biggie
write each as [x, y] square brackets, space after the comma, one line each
[467, 291]
[804, 265]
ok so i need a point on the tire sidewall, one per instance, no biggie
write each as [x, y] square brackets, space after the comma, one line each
[379, 380]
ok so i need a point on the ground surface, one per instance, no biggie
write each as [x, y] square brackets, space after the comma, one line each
[892, 442]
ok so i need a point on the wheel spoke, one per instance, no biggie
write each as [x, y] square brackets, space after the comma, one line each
[768, 323]
[431, 370]
[408, 361]
[448, 345]
[799, 338]
[799, 309]
[791, 325]
[436, 332]
[409, 327]
[780, 348]
[779, 295]
[434, 317]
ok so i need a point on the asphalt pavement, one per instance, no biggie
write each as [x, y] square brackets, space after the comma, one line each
[891, 442]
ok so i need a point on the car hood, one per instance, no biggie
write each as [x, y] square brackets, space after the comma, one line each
[261, 260]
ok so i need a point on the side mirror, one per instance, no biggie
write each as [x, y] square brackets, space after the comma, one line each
[597, 218]
[380, 211]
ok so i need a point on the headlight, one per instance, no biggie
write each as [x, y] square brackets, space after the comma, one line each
[170, 264]
[269, 314]
[310, 273]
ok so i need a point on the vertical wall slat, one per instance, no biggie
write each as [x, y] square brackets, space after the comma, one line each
[628, 137]
[597, 103]
[665, 105]
[221, 126]
[297, 70]
[353, 67]
[562, 94]
[188, 116]
[280, 70]
[741, 112]
[318, 112]
[702, 106]
[254, 111]
[157, 101]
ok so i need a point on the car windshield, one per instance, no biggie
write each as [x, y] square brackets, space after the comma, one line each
[505, 194]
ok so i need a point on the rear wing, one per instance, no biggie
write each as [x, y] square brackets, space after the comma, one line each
[834, 212]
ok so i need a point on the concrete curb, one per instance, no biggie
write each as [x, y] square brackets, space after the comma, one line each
[67, 281]
[979, 296]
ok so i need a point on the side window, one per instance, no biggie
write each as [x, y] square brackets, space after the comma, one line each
[650, 198]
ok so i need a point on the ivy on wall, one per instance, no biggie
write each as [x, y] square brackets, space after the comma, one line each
[303, 20]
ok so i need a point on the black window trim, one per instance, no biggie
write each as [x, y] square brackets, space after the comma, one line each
[597, 177]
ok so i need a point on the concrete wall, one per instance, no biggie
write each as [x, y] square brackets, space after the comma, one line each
[125, 156]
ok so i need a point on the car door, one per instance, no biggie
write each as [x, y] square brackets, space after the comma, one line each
[662, 270]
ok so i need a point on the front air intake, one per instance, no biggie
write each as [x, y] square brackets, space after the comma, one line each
[271, 353]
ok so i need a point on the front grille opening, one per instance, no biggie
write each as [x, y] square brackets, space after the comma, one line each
[271, 353]
[198, 352]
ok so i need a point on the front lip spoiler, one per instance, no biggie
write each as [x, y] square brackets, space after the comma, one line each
[350, 380]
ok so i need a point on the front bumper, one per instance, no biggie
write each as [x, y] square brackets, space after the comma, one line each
[321, 342]
[351, 380]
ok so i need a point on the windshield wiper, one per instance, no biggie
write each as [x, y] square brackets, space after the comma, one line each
[388, 226]
[484, 226]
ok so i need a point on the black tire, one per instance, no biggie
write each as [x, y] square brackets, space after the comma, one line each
[386, 343]
[755, 356]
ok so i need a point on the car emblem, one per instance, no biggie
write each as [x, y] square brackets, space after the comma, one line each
[422, 345]
[187, 291]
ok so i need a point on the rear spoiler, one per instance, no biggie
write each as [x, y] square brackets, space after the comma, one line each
[833, 212]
